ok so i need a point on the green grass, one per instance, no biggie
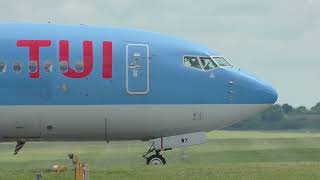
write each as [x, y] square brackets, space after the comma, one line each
[227, 155]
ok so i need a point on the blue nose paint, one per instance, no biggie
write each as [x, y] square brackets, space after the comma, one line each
[248, 89]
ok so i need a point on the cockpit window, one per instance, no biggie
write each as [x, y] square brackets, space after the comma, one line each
[207, 63]
[192, 61]
[221, 61]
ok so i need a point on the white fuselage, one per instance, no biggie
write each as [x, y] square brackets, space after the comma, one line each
[117, 122]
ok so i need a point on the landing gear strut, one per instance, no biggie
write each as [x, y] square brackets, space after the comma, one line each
[155, 159]
[18, 147]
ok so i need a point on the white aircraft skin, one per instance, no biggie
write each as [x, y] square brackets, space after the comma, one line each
[120, 122]
[129, 85]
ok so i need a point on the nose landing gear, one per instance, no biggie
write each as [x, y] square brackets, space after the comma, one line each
[170, 142]
[155, 159]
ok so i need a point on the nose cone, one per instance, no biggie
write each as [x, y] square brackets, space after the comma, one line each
[265, 93]
[252, 90]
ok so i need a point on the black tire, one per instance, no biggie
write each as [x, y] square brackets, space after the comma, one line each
[156, 160]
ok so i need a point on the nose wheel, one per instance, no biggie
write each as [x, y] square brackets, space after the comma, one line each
[155, 159]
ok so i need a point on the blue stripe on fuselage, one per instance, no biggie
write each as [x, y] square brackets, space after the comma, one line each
[170, 81]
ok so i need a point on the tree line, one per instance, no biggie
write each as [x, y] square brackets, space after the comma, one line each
[282, 117]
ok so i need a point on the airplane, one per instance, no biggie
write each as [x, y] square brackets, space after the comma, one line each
[90, 83]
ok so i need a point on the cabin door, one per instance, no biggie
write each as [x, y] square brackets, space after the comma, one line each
[137, 69]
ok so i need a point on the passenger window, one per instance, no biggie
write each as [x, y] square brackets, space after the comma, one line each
[207, 63]
[79, 67]
[17, 67]
[3, 67]
[63, 66]
[32, 66]
[48, 67]
[191, 61]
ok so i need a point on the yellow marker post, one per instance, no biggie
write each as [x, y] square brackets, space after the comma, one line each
[79, 169]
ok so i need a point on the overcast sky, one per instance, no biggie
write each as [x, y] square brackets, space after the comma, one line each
[278, 40]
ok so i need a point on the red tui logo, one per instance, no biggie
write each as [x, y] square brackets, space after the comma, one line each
[64, 49]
